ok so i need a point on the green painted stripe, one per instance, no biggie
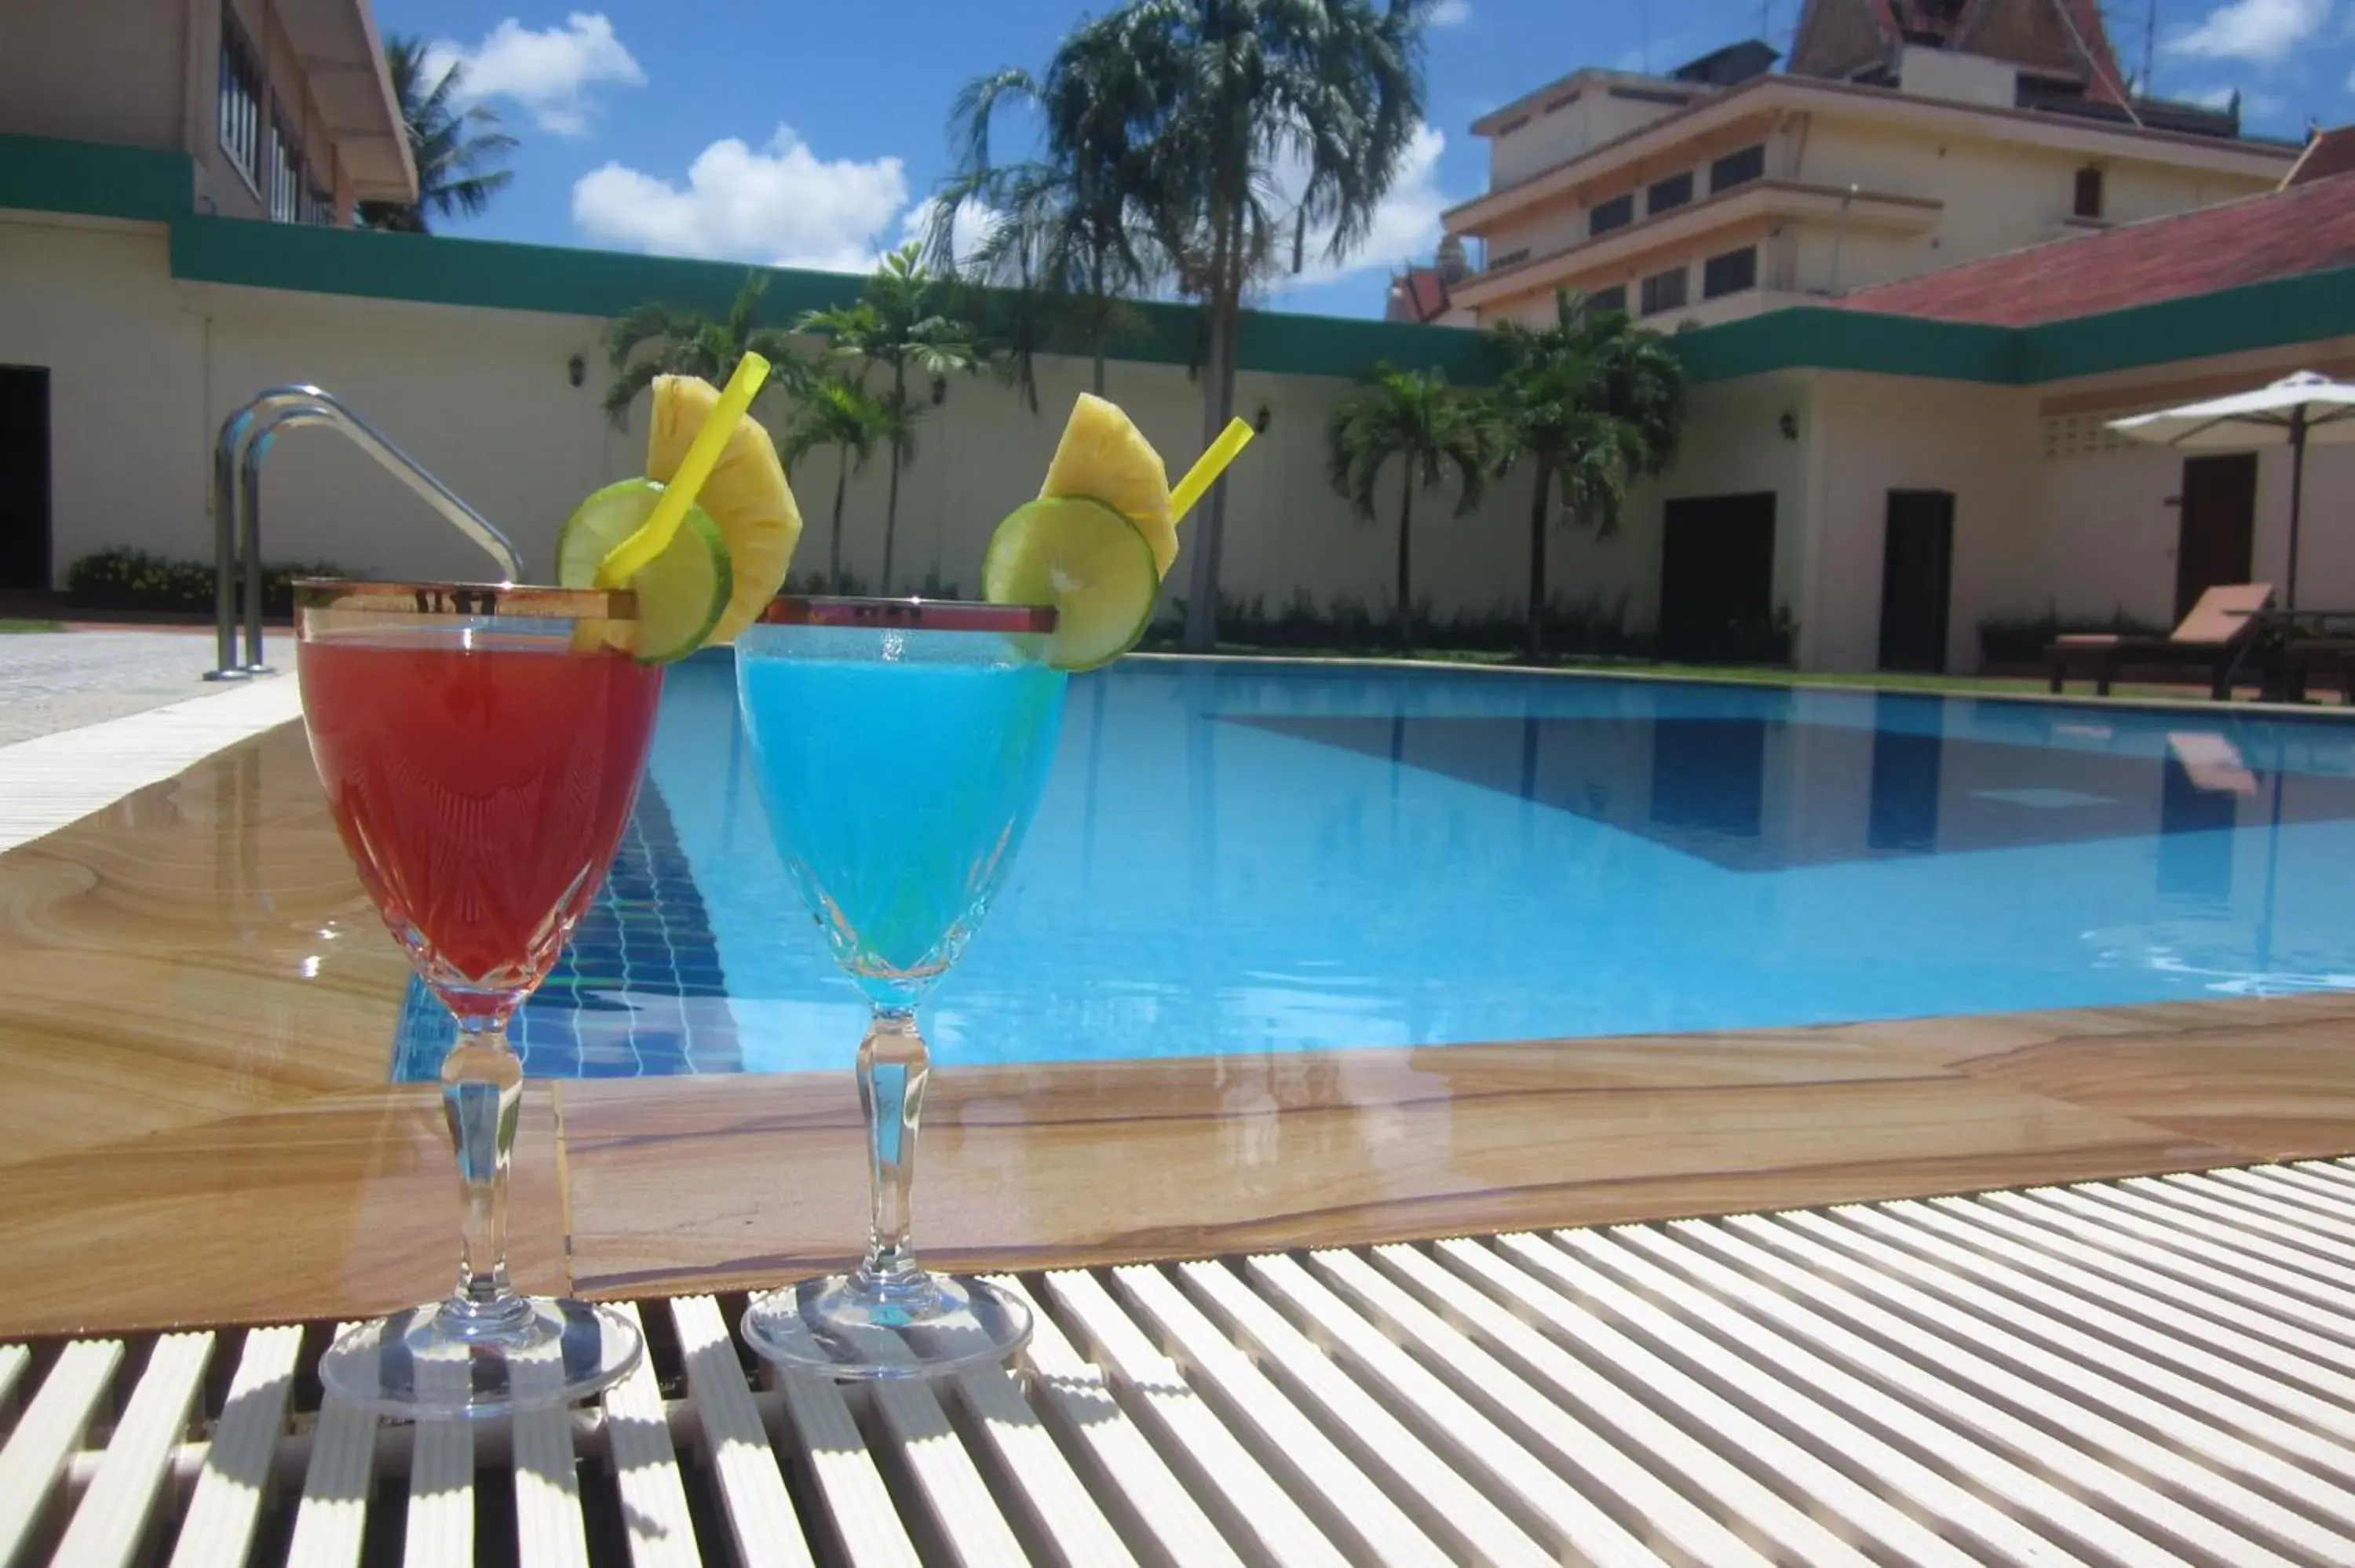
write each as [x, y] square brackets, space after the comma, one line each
[2271, 314]
[1820, 337]
[41, 174]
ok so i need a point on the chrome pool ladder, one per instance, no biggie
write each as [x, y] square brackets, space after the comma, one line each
[245, 441]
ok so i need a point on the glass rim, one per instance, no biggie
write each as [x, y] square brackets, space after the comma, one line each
[439, 600]
[913, 614]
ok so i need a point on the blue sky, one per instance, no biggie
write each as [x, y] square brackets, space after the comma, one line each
[805, 133]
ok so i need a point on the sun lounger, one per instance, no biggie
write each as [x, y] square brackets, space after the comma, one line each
[2213, 635]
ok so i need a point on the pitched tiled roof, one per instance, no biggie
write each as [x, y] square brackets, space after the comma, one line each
[2300, 229]
[2330, 153]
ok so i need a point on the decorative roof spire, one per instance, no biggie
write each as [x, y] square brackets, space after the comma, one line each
[2063, 39]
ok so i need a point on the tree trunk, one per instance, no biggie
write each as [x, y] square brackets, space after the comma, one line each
[1218, 407]
[1405, 578]
[891, 505]
[1533, 647]
[1101, 311]
[834, 555]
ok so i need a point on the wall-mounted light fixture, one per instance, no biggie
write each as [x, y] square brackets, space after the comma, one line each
[576, 370]
[1263, 420]
[1789, 425]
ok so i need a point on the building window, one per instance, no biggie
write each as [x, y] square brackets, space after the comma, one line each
[1730, 274]
[1664, 291]
[1604, 301]
[1738, 168]
[1672, 192]
[1617, 213]
[2089, 193]
[1564, 102]
[1510, 258]
[1515, 124]
[239, 100]
[318, 206]
[285, 188]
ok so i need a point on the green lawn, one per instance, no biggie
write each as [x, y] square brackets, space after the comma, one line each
[7, 625]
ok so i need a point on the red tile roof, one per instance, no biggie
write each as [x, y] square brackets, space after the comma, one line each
[2331, 152]
[2300, 229]
[1420, 293]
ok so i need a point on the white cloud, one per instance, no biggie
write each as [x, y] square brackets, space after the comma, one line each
[2262, 32]
[1451, 13]
[1406, 223]
[779, 202]
[548, 73]
[974, 221]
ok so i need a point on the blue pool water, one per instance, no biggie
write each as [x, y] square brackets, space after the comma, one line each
[1235, 857]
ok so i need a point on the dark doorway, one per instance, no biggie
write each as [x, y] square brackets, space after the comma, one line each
[1917, 564]
[24, 478]
[1716, 578]
[2220, 521]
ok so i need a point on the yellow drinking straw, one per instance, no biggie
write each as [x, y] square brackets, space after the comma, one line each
[632, 555]
[1208, 467]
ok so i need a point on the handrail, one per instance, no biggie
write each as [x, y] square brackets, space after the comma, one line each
[246, 437]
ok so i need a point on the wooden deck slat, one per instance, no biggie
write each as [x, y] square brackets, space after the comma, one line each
[332, 1518]
[2051, 1337]
[2115, 1374]
[2301, 1330]
[1454, 1507]
[236, 1480]
[2190, 1323]
[45, 1435]
[2076, 1412]
[1575, 1449]
[646, 1467]
[1134, 1477]
[1795, 1444]
[14, 1359]
[549, 1531]
[1355, 1505]
[2012, 1459]
[1828, 1409]
[1155, 1391]
[1059, 1506]
[123, 1496]
[2277, 1294]
[735, 1442]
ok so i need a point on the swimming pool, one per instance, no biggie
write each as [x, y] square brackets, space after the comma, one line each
[1238, 857]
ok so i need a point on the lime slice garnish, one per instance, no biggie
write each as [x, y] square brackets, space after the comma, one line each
[1086, 559]
[682, 592]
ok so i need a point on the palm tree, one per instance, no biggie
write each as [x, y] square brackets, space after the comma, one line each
[1068, 233]
[898, 322]
[456, 151]
[833, 410]
[655, 339]
[1591, 403]
[1258, 121]
[1415, 415]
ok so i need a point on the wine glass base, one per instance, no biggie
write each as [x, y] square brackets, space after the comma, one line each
[833, 1327]
[426, 1362]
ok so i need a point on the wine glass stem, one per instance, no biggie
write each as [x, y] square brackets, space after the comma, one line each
[893, 1066]
[482, 1097]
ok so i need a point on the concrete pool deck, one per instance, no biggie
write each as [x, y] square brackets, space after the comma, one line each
[196, 1005]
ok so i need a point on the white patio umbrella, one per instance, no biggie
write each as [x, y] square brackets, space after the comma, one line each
[2297, 409]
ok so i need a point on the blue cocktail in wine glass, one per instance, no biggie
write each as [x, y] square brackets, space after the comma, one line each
[900, 746]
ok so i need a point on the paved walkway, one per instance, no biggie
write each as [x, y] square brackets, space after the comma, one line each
[51, 680]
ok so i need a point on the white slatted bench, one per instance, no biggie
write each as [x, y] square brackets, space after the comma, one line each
[2149, 1371]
